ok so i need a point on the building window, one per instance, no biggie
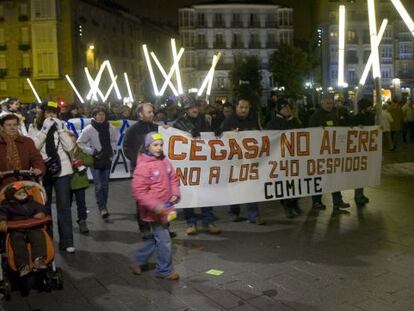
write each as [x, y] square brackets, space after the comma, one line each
[386, 73]
[201, 41]
[3, 86]
[351, 57]
[218, 20]
[201, 19]
[254, 41]
[285, 37]
[334, 74]
[2, 39]
[46, 63]
[23, 11]
[219, 44]
[386, 54]
[24, 32]
[352, 79]
[406, 50]
[352, 37]
[271, 41]
[43, 9]
[237, 41]
[366, 56]
[254, 20]
[186, 19]
[2, 12]
[285, 18]
[236, 21]
[334, 54]
[3, 61]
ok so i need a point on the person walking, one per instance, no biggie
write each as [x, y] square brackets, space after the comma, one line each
[156, 188]
[51, 137]
[240, 121]
[99, 140]
[285, 120]
[408, 116]
[194, 123]
[326, 116]
[397, 117]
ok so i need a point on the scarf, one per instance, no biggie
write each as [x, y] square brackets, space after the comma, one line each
[51, 149]
[104, 137]
[12, 153]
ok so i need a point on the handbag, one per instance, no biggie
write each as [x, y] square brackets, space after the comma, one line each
[53, 164]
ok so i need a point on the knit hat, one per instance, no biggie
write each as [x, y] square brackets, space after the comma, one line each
[281, 103]
[151, 137]
[50, 106]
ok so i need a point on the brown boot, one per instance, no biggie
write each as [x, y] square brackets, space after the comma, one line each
[135, 268]
[213, 229]
[173, 276]
[191, 230]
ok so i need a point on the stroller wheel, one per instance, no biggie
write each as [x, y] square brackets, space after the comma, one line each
[5, 288]
[58, 279]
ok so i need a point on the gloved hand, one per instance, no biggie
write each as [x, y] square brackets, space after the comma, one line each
[218, 132]
[195, 133]
[47, 124]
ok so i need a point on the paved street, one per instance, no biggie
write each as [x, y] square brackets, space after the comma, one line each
[357, 261]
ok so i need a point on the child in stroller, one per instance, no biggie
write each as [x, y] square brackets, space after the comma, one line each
[19, 205]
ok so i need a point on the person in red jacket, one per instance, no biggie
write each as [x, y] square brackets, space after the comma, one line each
[156, 188]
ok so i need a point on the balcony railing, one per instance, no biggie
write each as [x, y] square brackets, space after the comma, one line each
[255, 24]
[237, 24]
[3, 73]
[25, 72]
[237, 45]
[254, 45]
[24, 46]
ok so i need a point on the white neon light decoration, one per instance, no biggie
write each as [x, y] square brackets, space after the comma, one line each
[111, 73]
[94, 84]
[151, 71]
[110, 89]
[376, 70]
[131, 98]
[177, 72]
[34, 90]
[404, 15]
[368, 66]
[75, 89]
[209, 77]
[341, 46]
[174, 68]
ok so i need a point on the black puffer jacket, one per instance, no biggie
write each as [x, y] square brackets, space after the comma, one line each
[193, 125]
[242, 124]
[282, 123]
[14, 210]
[135, 138]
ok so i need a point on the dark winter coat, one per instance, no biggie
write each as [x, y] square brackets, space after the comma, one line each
[134, 139]
[235, 122]
[323, 118]
[282, 123]
[14, 210]
[193, 125]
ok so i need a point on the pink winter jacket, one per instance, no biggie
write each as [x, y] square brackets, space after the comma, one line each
[153, 183]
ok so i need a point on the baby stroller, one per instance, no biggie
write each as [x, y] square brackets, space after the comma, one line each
[46, 279]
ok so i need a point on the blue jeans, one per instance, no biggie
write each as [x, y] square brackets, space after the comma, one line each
[101, 182]
[63, 208]
[252, 211]
[336, 198]
[206, 214]
[159, 243]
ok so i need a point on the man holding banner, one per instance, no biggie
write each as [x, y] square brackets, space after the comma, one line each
[240, 121]
[326, 116]
[195, 123]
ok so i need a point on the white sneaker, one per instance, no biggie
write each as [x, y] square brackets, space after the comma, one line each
[70, 250]
[104, 213]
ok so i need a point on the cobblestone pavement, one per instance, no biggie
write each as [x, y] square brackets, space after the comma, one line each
[320, 261]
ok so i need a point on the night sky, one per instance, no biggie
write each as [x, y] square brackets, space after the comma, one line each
[168, 11]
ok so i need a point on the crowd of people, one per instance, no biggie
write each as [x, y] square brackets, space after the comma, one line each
[36, 137]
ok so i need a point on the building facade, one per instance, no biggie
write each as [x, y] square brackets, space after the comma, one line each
[46, 39]
[234, 29]
[396, 49]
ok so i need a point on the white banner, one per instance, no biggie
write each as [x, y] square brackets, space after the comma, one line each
[254, 166]
[120, 165]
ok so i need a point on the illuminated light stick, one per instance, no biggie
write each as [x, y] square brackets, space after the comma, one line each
[164, 74]
[34, 91]
[210, 81]
[110, 88]
[369, 62]
[75, 89]
[111, 73]
[151, 72]
[173, 69]
[210, 74]
[176, 59]
[376, 71]
[131, 98]
[404, 15]
[341, 46]
[94, 85]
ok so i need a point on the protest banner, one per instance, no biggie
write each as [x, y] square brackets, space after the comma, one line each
[120, 167]
[254, 166]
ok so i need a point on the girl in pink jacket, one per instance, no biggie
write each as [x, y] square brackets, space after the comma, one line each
[156, 188]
